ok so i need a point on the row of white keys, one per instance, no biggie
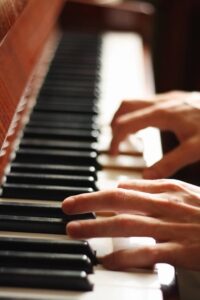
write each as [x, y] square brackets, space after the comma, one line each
[115, 285]
[124, 76]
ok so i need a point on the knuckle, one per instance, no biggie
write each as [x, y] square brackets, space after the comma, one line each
[123, 220]
[159, 109]
[119, 194]
[161, 116]
[152, 254]
[125, 102]
[116, 196]
[175, 185]
[158, 256]
[176, 93]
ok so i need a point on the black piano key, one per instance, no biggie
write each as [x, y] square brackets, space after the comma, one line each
[44, 279]
[40, 192]
[71, 94]
[73, 134]
[62, 58]
[32, 224]
[67, 88]
[76, 62]
[82, 84]
[63, 117]
[66, 246]
[54, 169]
[41, 260]
[52, 210]
[46, 179]
[90, 57]
[76, 77]
[50, 123]
[75, 99]
[85, 102]
[62, 125]
[77, 71]
[74, 68]
[88, 60]
[81, 103]
[63, 157]
[57, 145]
[60, 107]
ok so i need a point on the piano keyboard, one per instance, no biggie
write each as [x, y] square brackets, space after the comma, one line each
[62, 152]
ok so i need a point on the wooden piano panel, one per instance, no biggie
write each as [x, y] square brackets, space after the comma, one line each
[19, 52]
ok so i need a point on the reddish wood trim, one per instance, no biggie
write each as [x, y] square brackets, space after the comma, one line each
[19, 52]
[9, 11]
[27, 100]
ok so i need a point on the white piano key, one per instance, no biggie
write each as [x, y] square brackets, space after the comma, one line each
[101, 291]
[122, 72]
[132, 145]
[121, 162]
[110, 178]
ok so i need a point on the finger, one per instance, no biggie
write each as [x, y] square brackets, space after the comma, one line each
[191, 187]
[141, 257]
[175, 195]
[172, 161]
[169, 190]
[128, 106]
[117, 200]
[132, 122]
[122, 226]
[163, 206]
[151, 186]
[158, 186]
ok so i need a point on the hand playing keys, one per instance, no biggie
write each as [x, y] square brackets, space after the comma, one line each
[167, 210]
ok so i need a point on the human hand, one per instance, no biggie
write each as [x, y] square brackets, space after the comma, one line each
[167, 210]
[173, 111]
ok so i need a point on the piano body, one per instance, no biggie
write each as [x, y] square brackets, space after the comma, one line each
[64, 67]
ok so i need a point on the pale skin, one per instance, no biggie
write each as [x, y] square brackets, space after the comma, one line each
[170, 111]
[165, 209]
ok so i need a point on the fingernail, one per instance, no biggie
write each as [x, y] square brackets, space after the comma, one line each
[150, 174]
[68, 204]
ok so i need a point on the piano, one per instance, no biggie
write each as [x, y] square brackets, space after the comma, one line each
[65, 67]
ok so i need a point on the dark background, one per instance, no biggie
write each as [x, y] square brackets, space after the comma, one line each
[176, 49]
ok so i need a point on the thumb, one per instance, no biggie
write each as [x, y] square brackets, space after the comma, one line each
[171, 162]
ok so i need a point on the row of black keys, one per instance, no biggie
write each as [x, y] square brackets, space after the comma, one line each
[66, 137]
[56, 158]
[52, 264]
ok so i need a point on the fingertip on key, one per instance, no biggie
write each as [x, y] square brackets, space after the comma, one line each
[68, 205]
[73, 229]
